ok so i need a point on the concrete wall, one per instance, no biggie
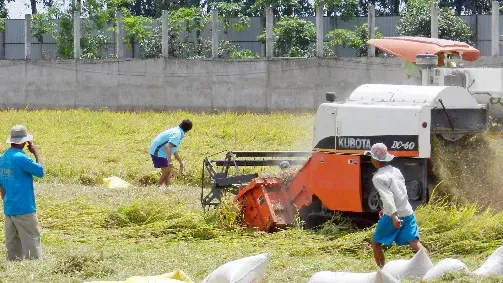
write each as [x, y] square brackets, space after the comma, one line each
[202, 85]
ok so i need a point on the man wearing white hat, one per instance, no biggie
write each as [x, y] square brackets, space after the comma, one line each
[397, 222]
[22, 235]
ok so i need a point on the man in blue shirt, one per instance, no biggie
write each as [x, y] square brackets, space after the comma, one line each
[22, 235]
[166, 145]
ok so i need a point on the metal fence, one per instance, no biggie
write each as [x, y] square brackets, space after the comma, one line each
[247, 39]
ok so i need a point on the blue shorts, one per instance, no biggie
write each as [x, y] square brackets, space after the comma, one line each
[386, 233]
[159, 162]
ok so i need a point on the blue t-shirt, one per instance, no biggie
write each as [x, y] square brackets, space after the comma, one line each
[16, 178]
[171, 135]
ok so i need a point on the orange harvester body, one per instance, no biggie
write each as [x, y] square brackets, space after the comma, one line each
[334, 178]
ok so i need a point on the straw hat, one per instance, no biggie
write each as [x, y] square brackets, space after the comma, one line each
[379, 152]
[19, 135]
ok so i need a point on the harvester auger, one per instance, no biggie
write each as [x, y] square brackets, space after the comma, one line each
[227, 172]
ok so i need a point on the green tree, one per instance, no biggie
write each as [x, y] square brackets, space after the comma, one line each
[182, 23]
[96, 15]
[228, 10]
[356, 39]
[416, 21]
[293, 37]
[345, 9]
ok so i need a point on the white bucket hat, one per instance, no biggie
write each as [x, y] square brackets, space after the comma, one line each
[19, 135]
[379, 152]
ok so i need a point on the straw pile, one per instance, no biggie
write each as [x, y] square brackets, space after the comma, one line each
[470, 170]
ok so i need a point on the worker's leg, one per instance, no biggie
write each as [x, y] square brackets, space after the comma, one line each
[409, 233]
[416, 246]
[28, 229]
[162, 163]
[12, 240]
[378, 254]
[384, 234]
[165, 176]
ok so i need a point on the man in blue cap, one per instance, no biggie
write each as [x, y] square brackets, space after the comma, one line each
[166, 145]
[397, 222]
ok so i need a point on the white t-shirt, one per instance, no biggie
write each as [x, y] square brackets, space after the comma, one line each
[390, 185]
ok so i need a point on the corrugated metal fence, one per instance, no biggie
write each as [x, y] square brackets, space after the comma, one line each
[14, 36]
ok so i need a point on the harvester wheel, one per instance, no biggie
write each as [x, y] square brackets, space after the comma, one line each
[313, 214]
[373, 200]
[415, 191]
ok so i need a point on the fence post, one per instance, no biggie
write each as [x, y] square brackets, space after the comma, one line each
[214, 33]
[165, 34]
[269, 32]
[27, 36]
[434, 20]
[372, 30]
[76, 35]
[495, 40]
[319, 30]
[119, 44]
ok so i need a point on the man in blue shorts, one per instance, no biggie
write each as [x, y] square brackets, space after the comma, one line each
[166, 145]
[397, 222]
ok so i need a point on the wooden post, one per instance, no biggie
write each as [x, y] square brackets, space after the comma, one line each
[214, 33]
[269, 32]
[434, 20]
[165, 34]
[76, 35]
[495, 38]
[319, 30]
[27, 37]
[119, 44]
[372, 30]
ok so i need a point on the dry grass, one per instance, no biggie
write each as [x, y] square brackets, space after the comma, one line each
[471, 170]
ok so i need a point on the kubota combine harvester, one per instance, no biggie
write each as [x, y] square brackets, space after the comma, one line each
[336, 176]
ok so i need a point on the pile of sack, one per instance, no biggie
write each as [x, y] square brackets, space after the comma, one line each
[419, 267]
[253, 269]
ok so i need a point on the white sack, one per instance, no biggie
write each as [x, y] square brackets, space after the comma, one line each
[493, 265]
[416, 267]
[444, 266]
[350, 277]
[244, 270]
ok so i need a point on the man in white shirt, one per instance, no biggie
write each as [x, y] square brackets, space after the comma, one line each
[397, 222]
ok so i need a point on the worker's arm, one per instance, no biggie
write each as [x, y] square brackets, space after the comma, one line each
[389, 206]
[386, 195]
[2, 192]
[182, 166]
[28, 165]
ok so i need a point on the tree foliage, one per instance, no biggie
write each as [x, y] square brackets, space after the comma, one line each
[345, 9]
[228, 10]
[292, 37]
[2, 24]
[416, 21]
[355, 39]
[182, 24]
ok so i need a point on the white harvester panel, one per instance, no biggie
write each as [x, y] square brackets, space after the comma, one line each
[402, 116]
[482, 83]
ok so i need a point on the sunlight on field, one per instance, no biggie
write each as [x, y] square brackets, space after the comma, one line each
[84, 146]
[90, 232]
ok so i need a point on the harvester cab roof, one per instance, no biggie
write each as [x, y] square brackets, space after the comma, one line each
[440, 62]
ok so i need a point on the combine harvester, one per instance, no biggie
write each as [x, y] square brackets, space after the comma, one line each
[336, 176]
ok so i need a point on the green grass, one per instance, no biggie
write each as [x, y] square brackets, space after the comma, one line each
[94, 233]
[81, 146]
